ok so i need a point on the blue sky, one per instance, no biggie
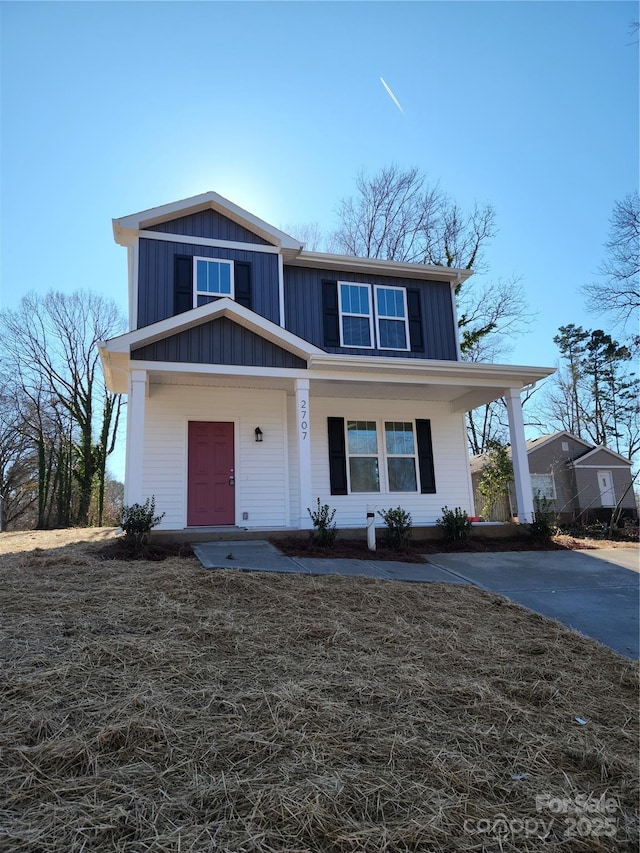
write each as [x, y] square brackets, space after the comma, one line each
[113, 107]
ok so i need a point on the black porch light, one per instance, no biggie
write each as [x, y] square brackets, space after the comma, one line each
[258, 433]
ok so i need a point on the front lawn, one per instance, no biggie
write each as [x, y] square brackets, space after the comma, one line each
[154, 707]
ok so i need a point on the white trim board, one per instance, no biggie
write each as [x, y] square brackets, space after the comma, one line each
[207, 241]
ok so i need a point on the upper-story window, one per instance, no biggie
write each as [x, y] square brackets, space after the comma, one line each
[391, 317]
[356, 328]
[212, 278]
[371, 316]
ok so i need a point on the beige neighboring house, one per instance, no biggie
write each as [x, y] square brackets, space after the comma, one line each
[580, 479]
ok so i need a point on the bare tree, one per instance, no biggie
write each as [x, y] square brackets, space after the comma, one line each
[18, 461]
[617, 293]
[396, 215]
[309, 234]
[51, 343]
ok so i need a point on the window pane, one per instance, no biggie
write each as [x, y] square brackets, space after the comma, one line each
[402, 474]
[399, 437]
[213, 277]
[361, 437]
[390, 303]
[393, 334]
[354, 299]
[225, 278]
[542, 484]
[356, 332]
[364, 474]
[201, 276]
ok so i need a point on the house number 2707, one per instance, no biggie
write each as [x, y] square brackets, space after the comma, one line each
[304, 419]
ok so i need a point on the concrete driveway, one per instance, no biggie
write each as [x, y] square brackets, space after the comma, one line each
[594, 592]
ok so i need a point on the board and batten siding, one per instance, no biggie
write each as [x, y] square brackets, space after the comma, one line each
[261, 473]
[453, 482]
[219, 341]
[303, 311]
[209, 224]
[157, 269]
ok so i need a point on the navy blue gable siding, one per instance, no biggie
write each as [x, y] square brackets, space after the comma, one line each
[157, 269]
[221, 341]
[210, 224]
[305, 296]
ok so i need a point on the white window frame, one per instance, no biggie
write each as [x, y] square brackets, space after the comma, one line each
[207, 293]
[379, 317]
[342, 314]
[350, 455]
[382, 456]
[388, 456]
[553, 485]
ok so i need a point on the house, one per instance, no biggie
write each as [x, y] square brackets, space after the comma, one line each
[261, 377]
[578, 478]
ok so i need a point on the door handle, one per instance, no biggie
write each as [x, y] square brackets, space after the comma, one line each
[232, 480]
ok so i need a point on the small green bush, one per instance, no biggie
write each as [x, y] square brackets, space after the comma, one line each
[139, 519]
[543, 525]
[454, 524]
[325, 530]
[397, 536]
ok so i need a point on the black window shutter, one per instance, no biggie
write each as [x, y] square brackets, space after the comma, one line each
[416, 337]
[425, 457]
[242, 283]
[337, 457]
[330, 317]
[182, 284]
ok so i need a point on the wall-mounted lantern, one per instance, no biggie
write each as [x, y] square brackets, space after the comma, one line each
[258, 433]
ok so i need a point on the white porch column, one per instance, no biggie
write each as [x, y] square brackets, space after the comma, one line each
[135, 437]
[304, 452]
[522, 478]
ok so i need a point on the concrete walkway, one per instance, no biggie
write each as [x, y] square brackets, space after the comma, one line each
[594, 592]
[261, 556]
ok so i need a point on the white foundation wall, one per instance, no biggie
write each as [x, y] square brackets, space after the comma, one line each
[453, 479]
[261, 468]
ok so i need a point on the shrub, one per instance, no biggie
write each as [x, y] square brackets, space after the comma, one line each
[543, 525]
[322, 518]
[454, 524]
[494, 481]
[398, 533]
[138, 520]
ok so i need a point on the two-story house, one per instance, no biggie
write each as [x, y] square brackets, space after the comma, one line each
[261, 377]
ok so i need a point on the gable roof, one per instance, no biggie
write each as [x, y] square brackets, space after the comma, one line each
[541, 440]
[600, 448]
[116, 351]
[478, 462]
[126, 227]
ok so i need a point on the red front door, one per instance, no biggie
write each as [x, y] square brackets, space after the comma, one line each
[211, 475]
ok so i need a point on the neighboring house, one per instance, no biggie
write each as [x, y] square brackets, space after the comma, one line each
[261, 377]
[578, 479]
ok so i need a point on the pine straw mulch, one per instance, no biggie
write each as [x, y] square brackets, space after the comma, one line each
[160, 708]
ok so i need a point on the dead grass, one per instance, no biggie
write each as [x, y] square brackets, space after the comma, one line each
[159, 708]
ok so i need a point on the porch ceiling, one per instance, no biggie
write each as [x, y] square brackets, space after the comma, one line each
[461, 397]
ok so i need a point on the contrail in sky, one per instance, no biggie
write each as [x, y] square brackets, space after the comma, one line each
[392, 96]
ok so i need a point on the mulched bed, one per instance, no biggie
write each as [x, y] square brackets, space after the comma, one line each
[349, 549]
[356, 549]
[158, 708]
[120, 549]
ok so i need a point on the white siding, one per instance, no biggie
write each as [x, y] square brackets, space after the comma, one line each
[261, 468]
[267, 472]
[453, 482]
